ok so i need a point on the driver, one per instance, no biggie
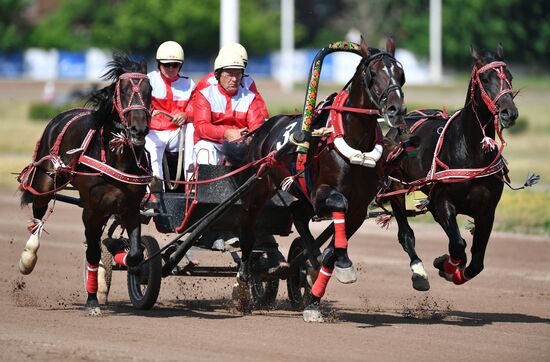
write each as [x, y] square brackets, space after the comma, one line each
[171, 107]
[223, 107]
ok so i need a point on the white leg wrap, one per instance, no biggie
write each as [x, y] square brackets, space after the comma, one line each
[102, 288]
[29, 256]
[418, 268]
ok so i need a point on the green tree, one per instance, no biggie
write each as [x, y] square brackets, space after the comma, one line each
[14, 28]
[141, 25]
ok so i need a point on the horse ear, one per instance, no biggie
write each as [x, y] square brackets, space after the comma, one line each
[364, 48]
[143, 66]
[475, 55]
[390, 46]
[500, 51]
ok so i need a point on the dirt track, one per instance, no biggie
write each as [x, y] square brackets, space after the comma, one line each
[503, 314]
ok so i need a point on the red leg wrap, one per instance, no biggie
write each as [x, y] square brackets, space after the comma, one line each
[320, 285]
[120, 258]
[459, 277]
[339, 219]
[91, 285]
[450, 265]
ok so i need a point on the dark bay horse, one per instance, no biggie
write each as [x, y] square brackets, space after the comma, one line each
[100, 151]
[340, 166]
[459, 166]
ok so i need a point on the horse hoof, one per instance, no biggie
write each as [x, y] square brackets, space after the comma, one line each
[345, 275]
[439, 261]
[27, 264]
[448, 277]
[419, 277]
[420, 283]
[312, 314]
[92, 308]
[241, 297]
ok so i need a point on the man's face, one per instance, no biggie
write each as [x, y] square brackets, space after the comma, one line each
[230, 79]
[170, 70]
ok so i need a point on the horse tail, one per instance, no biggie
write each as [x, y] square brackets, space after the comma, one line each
[235, 153]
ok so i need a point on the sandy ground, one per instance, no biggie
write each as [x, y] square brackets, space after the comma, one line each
[502, 315]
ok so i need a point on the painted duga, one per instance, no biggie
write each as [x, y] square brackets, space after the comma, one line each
[100, 151]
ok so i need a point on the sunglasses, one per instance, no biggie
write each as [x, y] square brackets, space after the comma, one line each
[171, 65]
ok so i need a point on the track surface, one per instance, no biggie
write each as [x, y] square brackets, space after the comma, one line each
[503, 314]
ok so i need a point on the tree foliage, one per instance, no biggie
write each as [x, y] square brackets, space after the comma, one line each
[140, 25]
[14, 29]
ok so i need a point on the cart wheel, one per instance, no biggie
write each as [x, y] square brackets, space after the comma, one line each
[104, 275]
[144, 282]
[299, 290]
[264, 292]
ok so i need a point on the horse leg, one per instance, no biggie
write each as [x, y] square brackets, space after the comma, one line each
[407, 240]
[132, 223]
[93, 224]
[312, 312]
[482, 232]
[445, 214]
[328, 199]
[29, 256]
[41, 183]
[301, 215]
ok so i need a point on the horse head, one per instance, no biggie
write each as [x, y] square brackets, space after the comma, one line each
[132, 100]
[383, 77]
[493, 79]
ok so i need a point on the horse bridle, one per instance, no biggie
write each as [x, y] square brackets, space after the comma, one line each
[381, 101]
[136, 79]
[497, 66]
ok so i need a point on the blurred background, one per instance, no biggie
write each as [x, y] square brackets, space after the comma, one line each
[53, 52]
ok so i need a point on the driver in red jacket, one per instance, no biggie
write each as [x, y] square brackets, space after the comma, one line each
[224, 108]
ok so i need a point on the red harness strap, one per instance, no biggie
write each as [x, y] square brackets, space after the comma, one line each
[113, 172]
[26, 176]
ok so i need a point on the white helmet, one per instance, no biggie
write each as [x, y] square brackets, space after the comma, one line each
[229, 60]
[170, 52]
[236, 48]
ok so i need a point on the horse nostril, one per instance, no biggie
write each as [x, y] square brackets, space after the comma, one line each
[504, 115]
[392, 110]
[138, 133]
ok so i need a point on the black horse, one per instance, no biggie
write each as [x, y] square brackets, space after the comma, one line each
[100, 151]
[340, 166]
[459, 167]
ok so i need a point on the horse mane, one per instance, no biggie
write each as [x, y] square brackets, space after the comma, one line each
[102, 99]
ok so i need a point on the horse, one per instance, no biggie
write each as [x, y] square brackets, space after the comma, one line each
[340, 166]
[100, 151]
[458, 165]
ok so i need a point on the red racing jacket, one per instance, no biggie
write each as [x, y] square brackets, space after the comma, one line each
[171, 97]
[214, 110]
